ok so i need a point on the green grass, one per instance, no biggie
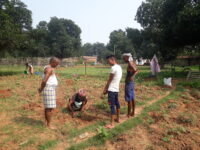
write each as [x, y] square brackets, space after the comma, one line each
[192, 84]
[177, 130]
[48, 144]
[186, 118]
[90, 128]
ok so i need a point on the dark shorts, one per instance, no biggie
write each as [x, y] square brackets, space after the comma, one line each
[129, 91]
[113, 102]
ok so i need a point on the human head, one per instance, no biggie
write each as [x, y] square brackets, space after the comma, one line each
[26, 64]
[127, 57]
[111, 59]
[54, 62]
[81, 93]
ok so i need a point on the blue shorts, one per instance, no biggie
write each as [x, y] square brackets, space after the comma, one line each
[113, 102]
[129, 91]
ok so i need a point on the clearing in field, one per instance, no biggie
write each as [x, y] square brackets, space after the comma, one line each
[164, 116]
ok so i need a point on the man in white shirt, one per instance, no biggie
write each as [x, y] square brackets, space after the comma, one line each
[112, 89]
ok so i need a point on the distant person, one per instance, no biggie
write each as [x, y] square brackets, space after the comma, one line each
[129, 83]
[112, 89]
[48, 89]
[29, 69]
[77, 102]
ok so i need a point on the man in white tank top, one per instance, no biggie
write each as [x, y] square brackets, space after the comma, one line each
[48, 89]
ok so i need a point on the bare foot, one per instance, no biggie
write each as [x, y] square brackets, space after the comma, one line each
[45, 122]
[132, 114]
[51, 127]
[72, 114]
[109, 126]
[117, 120]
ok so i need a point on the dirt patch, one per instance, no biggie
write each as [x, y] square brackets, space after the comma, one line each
[5, 93]
[32, 106]
[69, 82]
[156, 116]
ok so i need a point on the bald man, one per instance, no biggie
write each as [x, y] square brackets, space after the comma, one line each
[48, 89]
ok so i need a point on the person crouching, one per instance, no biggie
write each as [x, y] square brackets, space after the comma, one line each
[77, 102]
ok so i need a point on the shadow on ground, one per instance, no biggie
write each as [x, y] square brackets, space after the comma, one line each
[29, 121]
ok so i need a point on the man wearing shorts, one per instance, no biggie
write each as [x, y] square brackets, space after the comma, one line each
[112, 89]
[129, 83]
[48, 89]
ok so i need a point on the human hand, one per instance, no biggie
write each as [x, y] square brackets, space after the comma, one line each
[105, 91]
[39, 90]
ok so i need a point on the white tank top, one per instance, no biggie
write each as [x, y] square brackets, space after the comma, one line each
[52, 79]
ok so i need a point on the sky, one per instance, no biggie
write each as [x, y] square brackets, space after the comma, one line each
[96, 18]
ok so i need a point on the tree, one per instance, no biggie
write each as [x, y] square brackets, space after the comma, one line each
[119, 43]
[64, 37]
[96, 49]
[15, 21]
[172, 24]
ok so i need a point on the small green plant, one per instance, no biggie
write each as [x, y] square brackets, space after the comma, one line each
[103, 105]
[171, 106]
[167, 138]
[79, 114]
[149, 120]
[48, 144]
[187, 118]
[102, 132]
[177, 130]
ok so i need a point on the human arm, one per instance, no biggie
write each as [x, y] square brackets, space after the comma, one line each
[70, 104]
[133, 67]
[47, 72]
[105, 91]
[84, 104]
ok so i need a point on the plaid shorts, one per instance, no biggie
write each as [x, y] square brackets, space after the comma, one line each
[49, 96]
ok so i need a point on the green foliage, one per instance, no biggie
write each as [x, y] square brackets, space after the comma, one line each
[59, 37]
[48, 144]
[192, 84]
[119, 43]
[15, 22]
[96, 49]
[102, 132]
[177, 130]
[171, 105]
[103, 105]
[186, 118]
[169, 26]
[166, 138]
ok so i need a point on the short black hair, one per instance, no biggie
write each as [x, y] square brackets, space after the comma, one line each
[110, 56]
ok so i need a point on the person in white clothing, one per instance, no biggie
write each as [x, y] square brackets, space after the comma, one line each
[48, 89]
[29, 68]
[112, 89]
